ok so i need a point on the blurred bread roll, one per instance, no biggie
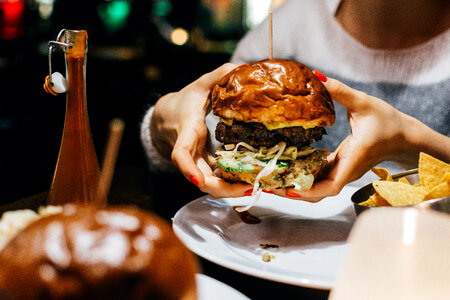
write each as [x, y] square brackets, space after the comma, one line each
[87, 253]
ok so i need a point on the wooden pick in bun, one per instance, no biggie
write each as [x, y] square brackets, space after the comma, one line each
[90, 253]
[271, 111]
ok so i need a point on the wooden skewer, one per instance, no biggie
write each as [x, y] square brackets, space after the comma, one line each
[116, 128]
[270, 36]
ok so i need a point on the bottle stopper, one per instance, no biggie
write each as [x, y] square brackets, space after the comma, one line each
[55, 83]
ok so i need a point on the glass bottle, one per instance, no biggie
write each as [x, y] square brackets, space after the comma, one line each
[77, 171]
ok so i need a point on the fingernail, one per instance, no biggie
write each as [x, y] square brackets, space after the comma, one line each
[267, 191]
[319, 75]
[248, 192]
[194, 180]
[292, 195]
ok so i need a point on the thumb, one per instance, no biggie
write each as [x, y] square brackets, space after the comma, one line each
[183, 156]
[350, 98]
[211, 78]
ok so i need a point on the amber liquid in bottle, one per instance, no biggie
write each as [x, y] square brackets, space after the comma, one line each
[77, 172]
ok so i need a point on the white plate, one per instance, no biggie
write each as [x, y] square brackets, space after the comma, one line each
[212, 289]
[311, 237]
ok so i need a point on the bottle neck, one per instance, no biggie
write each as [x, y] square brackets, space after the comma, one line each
[76, 72]
[76, 93]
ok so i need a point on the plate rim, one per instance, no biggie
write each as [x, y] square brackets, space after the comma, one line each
[202, 279]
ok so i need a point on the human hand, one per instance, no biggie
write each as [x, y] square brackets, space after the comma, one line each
[179, 133]
[377, 135]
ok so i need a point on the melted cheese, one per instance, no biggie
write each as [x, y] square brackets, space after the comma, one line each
[271, 125]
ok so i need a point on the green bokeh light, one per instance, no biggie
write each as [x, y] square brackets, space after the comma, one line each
[114, 14]
[162, 8]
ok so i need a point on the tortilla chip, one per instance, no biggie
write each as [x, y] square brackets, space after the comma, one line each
[382, 173]
[403, 180]
[439, 191]
[434, 182]
[375, 201]
[431, 170]
[368, 202]
[445, 178]
[398, 193]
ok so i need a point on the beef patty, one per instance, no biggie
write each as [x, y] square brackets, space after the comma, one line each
[257, 135]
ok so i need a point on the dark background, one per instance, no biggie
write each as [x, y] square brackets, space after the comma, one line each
[128, 68]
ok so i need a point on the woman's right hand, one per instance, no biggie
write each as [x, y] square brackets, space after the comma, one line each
[179, 133]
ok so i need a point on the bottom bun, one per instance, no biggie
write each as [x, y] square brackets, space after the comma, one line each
[300, 174]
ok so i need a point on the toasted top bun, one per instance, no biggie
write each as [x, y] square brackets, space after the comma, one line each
[87, 253]
[272, 91]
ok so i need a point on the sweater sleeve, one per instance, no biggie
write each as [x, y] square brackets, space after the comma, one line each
[156, 161]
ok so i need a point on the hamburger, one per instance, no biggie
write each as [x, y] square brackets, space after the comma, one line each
[270, 112]
[82, 252]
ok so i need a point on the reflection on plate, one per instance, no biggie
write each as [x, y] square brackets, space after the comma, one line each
[307, 241]
[211, 289]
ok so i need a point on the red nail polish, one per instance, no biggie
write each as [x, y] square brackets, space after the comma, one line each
[268, 192]
[292, 195]
[319, 75]
[194, 180]
[248, 192]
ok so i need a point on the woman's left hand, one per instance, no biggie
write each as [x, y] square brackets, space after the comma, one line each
[377, 135]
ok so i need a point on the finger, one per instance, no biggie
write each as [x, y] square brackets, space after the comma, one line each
[211, 78]
[295, 195]
[320, 190]
[183, 157]
[217, 187]
[204, 167]
[280, 192]
[350, 98]
[211, 160]
[199, 89]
